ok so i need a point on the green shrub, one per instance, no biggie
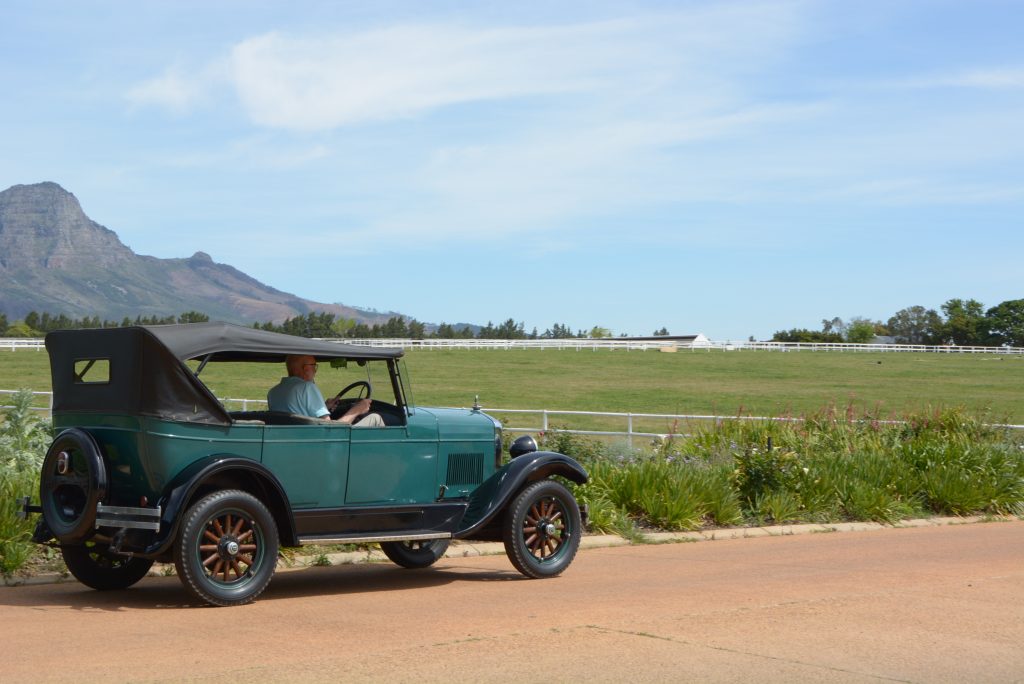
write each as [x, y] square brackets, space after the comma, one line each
[778, 507]
[24, 438]
[833, 466]
[761, 471]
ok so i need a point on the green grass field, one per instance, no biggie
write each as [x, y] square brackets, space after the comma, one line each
[699, 382]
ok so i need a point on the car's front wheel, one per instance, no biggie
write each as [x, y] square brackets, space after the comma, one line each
[415, 554]
[227, 548]
[95, 565]
[542, 529]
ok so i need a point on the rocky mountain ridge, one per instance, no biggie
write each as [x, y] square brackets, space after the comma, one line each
[54, 258]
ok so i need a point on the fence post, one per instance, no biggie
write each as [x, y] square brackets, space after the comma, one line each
[629, 429]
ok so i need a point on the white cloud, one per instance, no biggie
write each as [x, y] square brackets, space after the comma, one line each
[994, 78]
[321, 82]
[318, 84]
[177, 89]
[464, 132]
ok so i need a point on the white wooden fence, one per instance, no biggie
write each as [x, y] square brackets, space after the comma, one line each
[541, 419]
[578, 344]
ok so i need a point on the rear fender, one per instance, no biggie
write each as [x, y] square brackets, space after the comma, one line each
[222, 471]
[491, 497]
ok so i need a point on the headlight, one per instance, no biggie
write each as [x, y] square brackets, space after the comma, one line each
[522, 445]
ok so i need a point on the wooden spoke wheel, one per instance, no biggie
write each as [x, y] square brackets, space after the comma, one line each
[227, 548]
[542, 529]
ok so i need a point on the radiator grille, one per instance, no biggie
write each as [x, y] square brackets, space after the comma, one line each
[465, 469]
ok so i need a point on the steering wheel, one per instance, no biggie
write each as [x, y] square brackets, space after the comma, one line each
[344, 405]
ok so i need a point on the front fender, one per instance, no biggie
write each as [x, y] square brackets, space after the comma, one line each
[491, 497]
[228, 471]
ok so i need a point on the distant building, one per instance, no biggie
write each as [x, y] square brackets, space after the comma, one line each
[698, 340]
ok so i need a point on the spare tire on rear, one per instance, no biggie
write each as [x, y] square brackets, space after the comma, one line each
[72, 482]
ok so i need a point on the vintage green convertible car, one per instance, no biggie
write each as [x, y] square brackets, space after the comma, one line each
[148, 465]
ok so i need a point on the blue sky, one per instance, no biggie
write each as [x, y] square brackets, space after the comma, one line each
[730, 168]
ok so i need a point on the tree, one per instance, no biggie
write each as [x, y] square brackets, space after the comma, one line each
[193, 317]
[3, 323]
[833, 326]
[395, 328]
[597, 332]
[557, 332]
[359, 331]
[661, 333]
[341, 326]
[510, 330]
[805, 335]
[965, 322]
[1006, 323]
[860, 331]
[21, 329]
[416, 330]
[915, 325]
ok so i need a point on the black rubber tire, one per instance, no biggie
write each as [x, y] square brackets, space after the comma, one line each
[231, 517]
[542, 529]
[69, 498]
[415, 554]
[95, 566]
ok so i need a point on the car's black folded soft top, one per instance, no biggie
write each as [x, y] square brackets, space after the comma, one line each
[144, 369]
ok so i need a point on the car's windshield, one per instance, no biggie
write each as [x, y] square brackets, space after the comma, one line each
[332, 379]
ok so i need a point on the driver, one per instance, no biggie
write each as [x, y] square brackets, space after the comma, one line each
[298, 394]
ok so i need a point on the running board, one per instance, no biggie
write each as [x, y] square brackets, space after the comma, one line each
[368, 537]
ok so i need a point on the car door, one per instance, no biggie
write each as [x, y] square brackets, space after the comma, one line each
[311, 462]
[396, 464]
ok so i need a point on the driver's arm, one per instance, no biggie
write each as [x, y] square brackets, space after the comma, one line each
[359, 408]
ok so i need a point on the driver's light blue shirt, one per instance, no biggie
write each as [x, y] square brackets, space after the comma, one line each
[295, 395]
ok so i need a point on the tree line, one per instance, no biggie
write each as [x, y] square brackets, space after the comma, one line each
[962, 322]
[313, 324]
[321, 324]
[36, 324]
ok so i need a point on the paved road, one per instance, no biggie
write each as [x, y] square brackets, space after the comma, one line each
[940, 604]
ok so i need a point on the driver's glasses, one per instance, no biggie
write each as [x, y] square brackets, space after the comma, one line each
[314, 366]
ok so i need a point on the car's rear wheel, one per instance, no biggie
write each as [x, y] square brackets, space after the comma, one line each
[415, 554]
[227, 548]
[95, 565]
[542, 529]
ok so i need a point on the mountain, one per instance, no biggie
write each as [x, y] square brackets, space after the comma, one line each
[55, 259]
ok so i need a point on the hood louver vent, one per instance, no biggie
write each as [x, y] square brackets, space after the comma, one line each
[465, 469]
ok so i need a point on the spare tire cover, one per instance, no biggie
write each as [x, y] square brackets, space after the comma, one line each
[72, 482]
